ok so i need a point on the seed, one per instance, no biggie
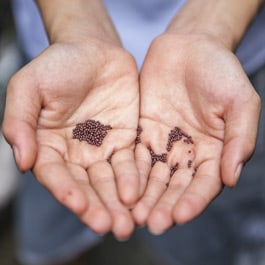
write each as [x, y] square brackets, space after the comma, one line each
[176, 135]
[174, 169]
[139, 131]
[194, 171]
[157, 157]
[189, 163]
[91, 131]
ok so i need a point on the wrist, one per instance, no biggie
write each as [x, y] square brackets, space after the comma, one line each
[71, 21]
[225, 21]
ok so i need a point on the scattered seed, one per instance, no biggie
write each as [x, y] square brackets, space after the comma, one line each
[139, 131]
[157, 157]
[91, 131]
[176, 135]
[174, 169]
[194, 171]
[189, 163]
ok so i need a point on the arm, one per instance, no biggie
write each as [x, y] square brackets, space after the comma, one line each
[195, 82]
[84, 74]
[226, 21]
[69, 21]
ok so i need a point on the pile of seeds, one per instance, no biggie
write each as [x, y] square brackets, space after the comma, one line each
[157, 157]
[91, 131]
[139, 131]
[176, 135]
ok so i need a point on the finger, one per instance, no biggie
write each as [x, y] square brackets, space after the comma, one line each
[127, 177]
[143, 163]
[240, 138]
[103, 181]
[96, 215]
[160, 218]
[51, 171]
[70, 186]
[204, 187]
[20, 121]
[156, 185]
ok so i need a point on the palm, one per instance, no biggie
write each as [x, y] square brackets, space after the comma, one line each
[76, 84]
[190, 90]
[111, 97]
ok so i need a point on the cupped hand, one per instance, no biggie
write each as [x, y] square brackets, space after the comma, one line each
[70, 83]
[198, 123]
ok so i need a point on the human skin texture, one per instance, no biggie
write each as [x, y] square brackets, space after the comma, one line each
[84, 74]
[192, 80]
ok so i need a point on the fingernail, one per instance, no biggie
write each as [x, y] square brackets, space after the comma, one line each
[238, 172]
[16, 154]
[156, 232]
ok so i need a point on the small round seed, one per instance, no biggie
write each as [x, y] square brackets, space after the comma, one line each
[91, 131]
[189, 163]
[176, 135]
[174, 169]
[139, 131]
[157, 157]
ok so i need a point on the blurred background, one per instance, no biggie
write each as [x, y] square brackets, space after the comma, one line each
[9, 176]
[233, 228]
[9, 62]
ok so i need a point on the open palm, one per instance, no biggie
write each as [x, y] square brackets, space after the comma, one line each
[198, 117]
[69, 84]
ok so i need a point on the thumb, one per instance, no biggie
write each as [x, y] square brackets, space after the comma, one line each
[241, 126]
[20, 120]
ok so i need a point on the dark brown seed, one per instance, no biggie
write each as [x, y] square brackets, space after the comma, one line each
[91, 131]
[174, 169]
[177, 134]
[157, 157]
[194, 171]
[189, 163]
[139, 131]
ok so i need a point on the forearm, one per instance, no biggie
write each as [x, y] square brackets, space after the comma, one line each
[67, 20]
[226, 20]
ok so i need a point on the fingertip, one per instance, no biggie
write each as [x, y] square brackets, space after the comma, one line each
[101, 223]
[182, 213]
[140, 214]
[123, 227]
[23, 143]
[237, 173]
[232, 181]
[187, 209]
[159, 221]
[129, 196]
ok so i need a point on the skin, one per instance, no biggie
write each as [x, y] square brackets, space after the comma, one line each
[192, 79]
[77, 79]
[187, 80]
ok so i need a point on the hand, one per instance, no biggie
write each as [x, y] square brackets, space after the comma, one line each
[195, 84]
[67, 84]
